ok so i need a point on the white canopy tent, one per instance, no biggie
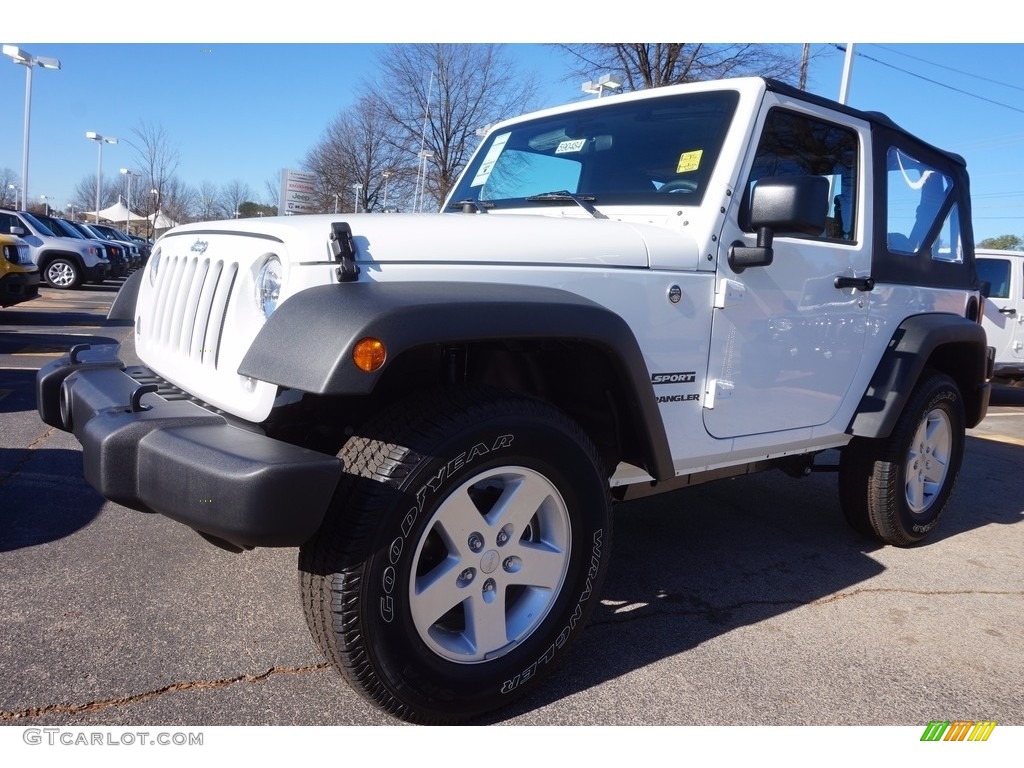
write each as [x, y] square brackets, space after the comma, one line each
[161, 222]
[119, 215]
[116, 214]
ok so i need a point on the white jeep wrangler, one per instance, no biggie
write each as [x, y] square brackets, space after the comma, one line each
[621, 297]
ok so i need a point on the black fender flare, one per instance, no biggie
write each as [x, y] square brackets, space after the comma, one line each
[953, 344]
[127, 297]
[330, 319]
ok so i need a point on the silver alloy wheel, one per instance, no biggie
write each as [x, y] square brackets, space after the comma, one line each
[60, 274]
[491, 563]
[928, 460]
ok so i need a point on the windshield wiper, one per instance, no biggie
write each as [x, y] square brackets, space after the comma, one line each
[565, 196]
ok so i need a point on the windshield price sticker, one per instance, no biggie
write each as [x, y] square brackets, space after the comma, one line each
[572, 145]
[689, 161]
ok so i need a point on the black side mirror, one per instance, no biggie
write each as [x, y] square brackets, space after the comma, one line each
[781, 205]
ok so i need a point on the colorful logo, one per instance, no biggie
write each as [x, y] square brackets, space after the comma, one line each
[958, 730]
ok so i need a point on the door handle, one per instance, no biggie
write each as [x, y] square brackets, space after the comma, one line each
[860, 283]
[1008, 311]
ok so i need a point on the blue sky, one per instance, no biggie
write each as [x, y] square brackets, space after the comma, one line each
[247, 106]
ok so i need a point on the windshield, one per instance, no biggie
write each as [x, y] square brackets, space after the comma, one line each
[42, 228]
[63, 229]
[658, 150]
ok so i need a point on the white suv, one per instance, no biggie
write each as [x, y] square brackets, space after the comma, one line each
[1002, 273]
[621, 297]
[63, 262]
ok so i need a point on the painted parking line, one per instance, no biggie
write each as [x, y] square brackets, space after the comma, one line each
[41, 350]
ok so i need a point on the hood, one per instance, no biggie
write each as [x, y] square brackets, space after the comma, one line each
[471, 238]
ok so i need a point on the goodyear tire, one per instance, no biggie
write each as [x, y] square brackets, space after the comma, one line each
[464, 552]
[896, 489]
[62, 273]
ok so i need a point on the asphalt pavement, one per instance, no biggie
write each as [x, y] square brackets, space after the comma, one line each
[740, 602]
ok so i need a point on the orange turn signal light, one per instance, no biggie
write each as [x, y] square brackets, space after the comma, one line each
[369, 354]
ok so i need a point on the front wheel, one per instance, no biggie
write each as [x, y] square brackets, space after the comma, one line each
[895, 489]
[463, 553]
[62, 273]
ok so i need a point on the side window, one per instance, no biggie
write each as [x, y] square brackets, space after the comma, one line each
[921, 215]
[6, 222]
[995, 272]
[794, 144]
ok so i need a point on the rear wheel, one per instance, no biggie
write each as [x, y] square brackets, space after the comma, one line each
[463, 554]
[895, 489]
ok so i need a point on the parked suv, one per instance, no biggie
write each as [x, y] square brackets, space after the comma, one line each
[19, 277]
[114, 253]
[1002, 273]
[112, 234]
[63, 261]
[622, 297]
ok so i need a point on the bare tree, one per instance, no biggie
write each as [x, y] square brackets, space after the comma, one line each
[179, 200]
[9, 188]
[272, 190]
[83, 196]
[438, 95]
[206, 209]
[157, 158]
[232, 195]
[650, 65]
[357, 158]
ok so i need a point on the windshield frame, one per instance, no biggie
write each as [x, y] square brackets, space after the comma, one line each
[652, 151]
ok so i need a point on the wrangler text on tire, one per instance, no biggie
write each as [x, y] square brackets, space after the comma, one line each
[896, 489]
[463, 553]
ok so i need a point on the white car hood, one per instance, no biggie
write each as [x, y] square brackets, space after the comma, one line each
[479, 239]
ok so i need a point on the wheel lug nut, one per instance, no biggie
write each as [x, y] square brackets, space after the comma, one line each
[476, 542]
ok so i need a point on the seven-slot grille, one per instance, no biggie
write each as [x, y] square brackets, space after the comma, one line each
[192, 297]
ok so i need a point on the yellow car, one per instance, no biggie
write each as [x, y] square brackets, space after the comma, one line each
[19, 277]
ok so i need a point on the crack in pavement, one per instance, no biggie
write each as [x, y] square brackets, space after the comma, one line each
[721, 615]
[96, 706]
[28, 455]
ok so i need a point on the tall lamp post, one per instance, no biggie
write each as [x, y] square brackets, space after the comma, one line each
[100, 141]
[156, 214]
[46, 203]
[131, 175]
[16, 206]
[356, 188]
[386, 175]
[21, 56]
[604, 83]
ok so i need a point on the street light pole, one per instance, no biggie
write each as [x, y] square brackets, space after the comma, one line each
[604, 82]
[356, 188]
[386, 175]
[100, 141]
[156, 215]
[130, 174]
[46, 203]
[21, 56]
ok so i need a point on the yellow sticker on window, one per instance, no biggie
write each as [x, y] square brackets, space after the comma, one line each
[689, 161]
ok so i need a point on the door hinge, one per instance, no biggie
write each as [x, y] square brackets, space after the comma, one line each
[729, 292]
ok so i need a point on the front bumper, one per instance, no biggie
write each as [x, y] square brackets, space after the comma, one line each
[181, 460]
[16, 287]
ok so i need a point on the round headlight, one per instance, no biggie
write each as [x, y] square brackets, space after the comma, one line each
[154, 266]
[268, 285]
